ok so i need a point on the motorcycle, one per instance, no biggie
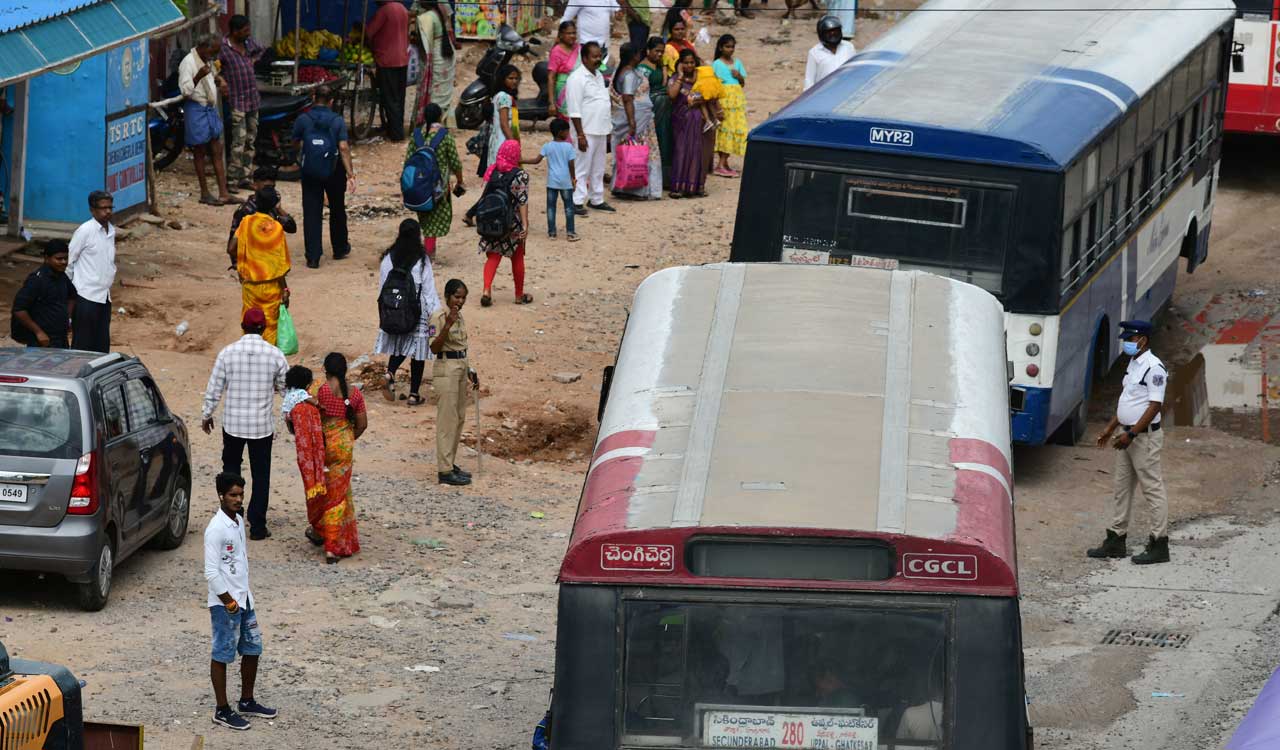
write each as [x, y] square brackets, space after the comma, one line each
[274, 146]
[474, 104]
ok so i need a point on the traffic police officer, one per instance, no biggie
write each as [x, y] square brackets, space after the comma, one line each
[1138, 448]
[449, 376]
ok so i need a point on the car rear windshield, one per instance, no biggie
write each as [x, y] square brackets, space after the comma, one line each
[739, 675]
[951, 229]
[39, 422]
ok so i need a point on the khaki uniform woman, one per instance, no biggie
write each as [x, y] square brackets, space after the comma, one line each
[450, 376]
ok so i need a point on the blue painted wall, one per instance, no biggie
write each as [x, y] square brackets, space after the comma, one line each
[66, 133]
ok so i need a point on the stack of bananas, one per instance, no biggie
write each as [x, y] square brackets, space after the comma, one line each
[309, 44]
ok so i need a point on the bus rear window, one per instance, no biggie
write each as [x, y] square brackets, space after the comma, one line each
[739, 675]
[951, 229]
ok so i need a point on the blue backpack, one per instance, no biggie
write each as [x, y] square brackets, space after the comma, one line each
[422, 184]
[319, 148]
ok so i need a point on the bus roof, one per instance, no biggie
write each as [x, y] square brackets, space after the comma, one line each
[980, 80]
[771, 399]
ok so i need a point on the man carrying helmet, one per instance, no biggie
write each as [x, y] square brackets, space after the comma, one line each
[1138, 448]
[829, 53]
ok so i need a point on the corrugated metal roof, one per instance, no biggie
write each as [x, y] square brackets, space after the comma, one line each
[20, 14]
[37, 36]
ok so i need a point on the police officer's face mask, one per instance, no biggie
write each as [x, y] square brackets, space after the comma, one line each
[1130, 348]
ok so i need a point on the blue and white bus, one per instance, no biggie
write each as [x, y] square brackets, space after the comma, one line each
[1061, 159]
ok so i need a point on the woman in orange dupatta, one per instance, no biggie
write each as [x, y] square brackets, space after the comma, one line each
[343, 418]
[262, 260]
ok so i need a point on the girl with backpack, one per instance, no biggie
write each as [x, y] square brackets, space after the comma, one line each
[507, 179]
[435, 223]
[406, 269]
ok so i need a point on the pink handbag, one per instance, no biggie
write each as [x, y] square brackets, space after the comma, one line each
[631, 170]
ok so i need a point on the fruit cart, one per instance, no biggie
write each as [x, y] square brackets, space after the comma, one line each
[310, 58]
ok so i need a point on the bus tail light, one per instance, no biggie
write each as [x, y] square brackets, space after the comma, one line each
[1035, 329]
[1033, 370]
[1033, 350]
[84, 488]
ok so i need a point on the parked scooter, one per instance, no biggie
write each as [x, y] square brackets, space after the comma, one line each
[474, 105]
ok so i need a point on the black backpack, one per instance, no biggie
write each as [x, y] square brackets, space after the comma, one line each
[399, 308]
[319, 147]
[496, 209]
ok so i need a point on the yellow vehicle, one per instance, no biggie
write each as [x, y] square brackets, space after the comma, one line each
[40, 710]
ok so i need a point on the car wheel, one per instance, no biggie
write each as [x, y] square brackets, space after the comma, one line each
[94, 592]
[175, 524]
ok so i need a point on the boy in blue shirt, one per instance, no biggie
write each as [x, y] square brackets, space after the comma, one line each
[561, 176]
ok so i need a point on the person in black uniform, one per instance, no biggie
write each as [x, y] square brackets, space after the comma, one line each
[42, 308]
[1138, 448]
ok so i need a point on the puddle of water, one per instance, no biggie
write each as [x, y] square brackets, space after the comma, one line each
[1227, 386]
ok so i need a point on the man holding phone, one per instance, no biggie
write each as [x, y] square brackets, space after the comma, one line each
[231, 606]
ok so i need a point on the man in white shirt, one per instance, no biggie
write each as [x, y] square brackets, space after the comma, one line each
[590, 111]
[1138, 448]
[250, 372]
[594, 19]
[200, 82]
[91, 265]
[829, 53]
[231, 606]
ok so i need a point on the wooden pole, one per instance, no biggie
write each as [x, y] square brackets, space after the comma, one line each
[297, 37]
[151, 172]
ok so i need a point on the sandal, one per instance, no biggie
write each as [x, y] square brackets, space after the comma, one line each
[676, 196]
[331, 559]
[313, 537]
[389, 387]
[209, 200]
[416, 400]
[486, 300]
[524, 299]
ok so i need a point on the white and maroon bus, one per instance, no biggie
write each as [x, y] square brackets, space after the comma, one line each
[797, 527]
[1253, 91]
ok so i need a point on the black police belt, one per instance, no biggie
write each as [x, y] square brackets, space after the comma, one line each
[1153, 427]
[454, 355]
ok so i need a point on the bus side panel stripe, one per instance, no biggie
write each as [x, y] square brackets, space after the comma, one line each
[615, 480]
[975, 451]
[624, 439]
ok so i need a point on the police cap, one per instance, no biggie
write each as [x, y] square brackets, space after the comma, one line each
[1134, 328]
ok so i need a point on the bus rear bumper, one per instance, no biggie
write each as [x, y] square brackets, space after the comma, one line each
[1029, 414]
[1252, 122]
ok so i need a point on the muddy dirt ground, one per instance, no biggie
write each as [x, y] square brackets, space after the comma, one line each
[441, 632]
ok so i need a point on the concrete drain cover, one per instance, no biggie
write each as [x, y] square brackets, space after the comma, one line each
[1146, 638]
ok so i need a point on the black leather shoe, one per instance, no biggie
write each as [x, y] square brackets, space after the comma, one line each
[1114, 546]
[313, 264]
[461, 472]
[341, 255]
[258, 536]
[454, 479]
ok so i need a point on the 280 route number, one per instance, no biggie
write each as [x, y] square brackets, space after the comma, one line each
[792, 734]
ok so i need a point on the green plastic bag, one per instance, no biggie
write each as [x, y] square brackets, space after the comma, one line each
[286, 334]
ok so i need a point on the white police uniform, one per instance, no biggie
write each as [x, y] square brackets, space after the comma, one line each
[1144, 382]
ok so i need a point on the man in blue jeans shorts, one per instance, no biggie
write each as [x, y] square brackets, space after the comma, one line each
[560, 156]
[231, 610]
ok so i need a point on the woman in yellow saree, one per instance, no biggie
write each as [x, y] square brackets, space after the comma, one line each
[262, 260]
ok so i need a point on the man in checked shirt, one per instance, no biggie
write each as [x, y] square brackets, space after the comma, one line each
[250, 372]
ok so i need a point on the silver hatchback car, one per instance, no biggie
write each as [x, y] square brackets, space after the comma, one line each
[93, 465]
